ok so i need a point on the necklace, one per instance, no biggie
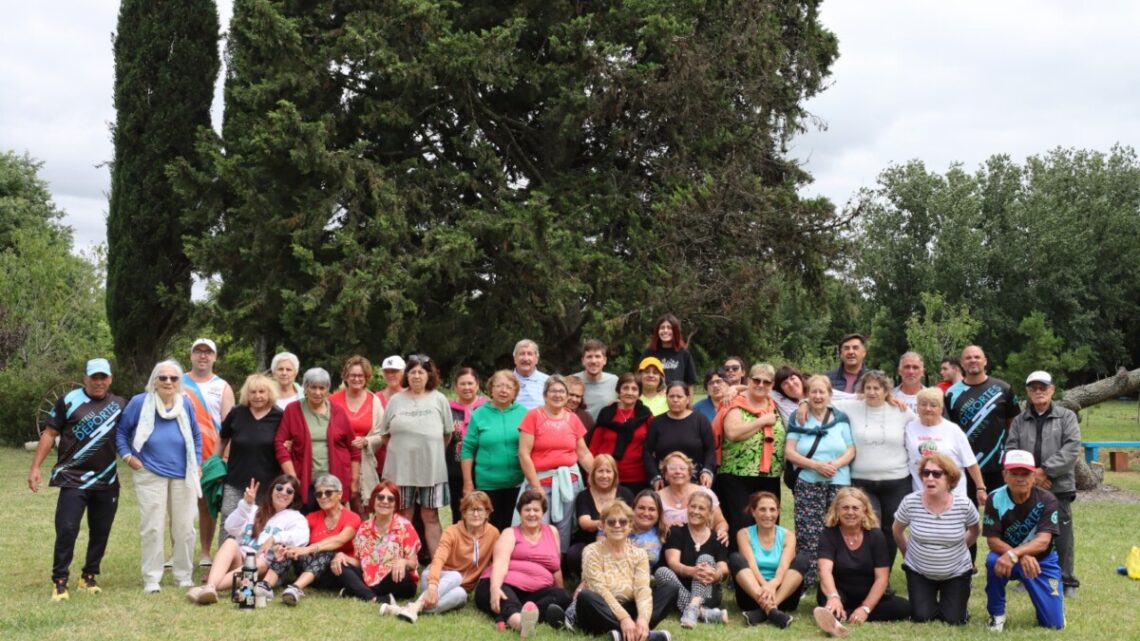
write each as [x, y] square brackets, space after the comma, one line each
[852, 541]
[701, 539]
[675, 501]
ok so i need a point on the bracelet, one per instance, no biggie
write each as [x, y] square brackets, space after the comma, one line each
[833, 596]
[865, 609]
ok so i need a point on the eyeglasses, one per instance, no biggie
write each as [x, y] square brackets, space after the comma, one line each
[680, 467]
[355, 376]
[385, 498]
[476, 510]
[162, 378]
[417, 358]
[286, 489]
[324, 494]
[622, 522]
[762, 381]
[937, 474]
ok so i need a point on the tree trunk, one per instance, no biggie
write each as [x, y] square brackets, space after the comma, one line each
[1081, 397]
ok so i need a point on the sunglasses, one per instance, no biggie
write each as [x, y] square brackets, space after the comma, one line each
[281, 487]
[385, 498]
[417, 358]
[936, 474]
[324, 494]
[622, 522]
[762, 381]
[162, 378]
[732, 368]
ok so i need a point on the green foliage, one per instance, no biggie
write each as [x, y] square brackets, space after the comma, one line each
[25, 202]
[1042, 349]
[942, 330]
[52, 303]
[1055, 234]
[452, 176]
[166, 62]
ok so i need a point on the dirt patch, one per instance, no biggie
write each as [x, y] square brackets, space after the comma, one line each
[1109, 493]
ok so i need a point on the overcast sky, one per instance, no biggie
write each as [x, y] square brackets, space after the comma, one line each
[938, 81]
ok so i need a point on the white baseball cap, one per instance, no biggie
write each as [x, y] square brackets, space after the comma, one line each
[207, 342]
[98, 366]
[393, 362]
[1040, 376]
[1018, 459]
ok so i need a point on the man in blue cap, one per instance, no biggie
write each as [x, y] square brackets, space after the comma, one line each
[85, 473]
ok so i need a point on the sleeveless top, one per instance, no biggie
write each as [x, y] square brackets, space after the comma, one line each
[767, 561]
[532, 565]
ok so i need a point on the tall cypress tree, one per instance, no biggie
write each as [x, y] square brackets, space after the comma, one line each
[166, 62]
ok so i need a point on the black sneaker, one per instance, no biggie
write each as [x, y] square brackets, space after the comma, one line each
[88, 585]
[779, 619]
[555, 616]
[59, 590]
[754, 617]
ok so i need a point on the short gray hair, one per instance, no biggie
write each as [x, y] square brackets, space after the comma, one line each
[316, 376]
[552, 380]
[328, 480]
[171, 363]
[526, 342]
[285, 356]
[909, 355]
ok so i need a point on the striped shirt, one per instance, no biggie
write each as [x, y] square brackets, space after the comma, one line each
[936, 547]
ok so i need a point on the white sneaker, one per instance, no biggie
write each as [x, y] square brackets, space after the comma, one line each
[152, 588]
[292, 594]
[528, 620]
[997, 622]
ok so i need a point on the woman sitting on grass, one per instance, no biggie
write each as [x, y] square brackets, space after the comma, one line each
[266, 529]
[769, 576]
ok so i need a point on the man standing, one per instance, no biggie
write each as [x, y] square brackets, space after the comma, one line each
[1053, 435]
[600, 385]
[852, 353]
[85, 473]
[215, 394]
[911, 370]
[950, 370]
[1020, 524]
[983, 407]
[531, 380]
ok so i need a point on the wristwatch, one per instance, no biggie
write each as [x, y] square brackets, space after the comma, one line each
[865, 610]
[1013, 556]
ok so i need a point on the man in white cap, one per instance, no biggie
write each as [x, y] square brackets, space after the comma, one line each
[1020, 526]
[530, 379]
[85, 473]
[216, 395]
[1053, 434]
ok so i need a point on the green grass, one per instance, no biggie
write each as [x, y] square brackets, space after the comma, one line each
[1105, 609]
[1111, 421]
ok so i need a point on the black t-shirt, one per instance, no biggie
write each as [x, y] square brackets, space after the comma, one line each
[251, 447]
[691, 435]
[681, 539]
[854, 570]
[86, 429]
[1019, 523]
[983, 411]
[584, 506]
[679, 365]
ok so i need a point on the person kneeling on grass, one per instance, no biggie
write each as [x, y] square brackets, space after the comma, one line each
[331, 530]
[1020, 525]
[265, 529]
[464, 551]
[614, 597]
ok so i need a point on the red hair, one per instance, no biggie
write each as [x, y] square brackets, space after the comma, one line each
[679, 342]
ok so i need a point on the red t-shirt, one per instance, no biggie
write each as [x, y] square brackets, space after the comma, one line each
[318, 532]
[361, 420]
[555, 439]
[631, 469]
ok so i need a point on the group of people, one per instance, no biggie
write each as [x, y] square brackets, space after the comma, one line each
[654, 502]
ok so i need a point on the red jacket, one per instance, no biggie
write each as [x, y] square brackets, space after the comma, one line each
[341, 452]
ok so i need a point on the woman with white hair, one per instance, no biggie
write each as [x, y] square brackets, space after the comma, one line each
[315, 437]
[284, 368]
[157, 436]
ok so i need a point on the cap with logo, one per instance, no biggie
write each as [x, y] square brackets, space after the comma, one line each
[204, 341]
[393, 362]
[1018, 459]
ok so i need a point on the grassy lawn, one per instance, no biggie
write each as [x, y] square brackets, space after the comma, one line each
[1104, 610]
[1111, 421]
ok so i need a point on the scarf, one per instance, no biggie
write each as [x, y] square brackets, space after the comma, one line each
[152, 406]
[625, 429]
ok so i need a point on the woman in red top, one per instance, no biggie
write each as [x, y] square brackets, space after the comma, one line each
[620, 432]
[364, 412]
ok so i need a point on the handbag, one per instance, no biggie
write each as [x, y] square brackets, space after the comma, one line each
[791, 472]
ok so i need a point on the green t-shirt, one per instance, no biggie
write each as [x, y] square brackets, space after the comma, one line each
[319, 432]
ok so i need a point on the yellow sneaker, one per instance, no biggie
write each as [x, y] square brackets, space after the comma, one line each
[59, 591]
[87, 584]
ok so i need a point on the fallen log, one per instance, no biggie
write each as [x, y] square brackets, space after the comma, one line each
[1122, 383]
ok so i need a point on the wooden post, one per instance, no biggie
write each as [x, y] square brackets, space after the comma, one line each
[1118, 461]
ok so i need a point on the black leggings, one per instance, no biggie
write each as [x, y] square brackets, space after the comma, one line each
[890, 607]
[947, 600]
[503, 507]
[885, 497]
[516, 598]
[352, 580]
[737, 564]
[596, 617]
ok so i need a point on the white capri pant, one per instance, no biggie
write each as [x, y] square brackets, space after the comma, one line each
[158, 497]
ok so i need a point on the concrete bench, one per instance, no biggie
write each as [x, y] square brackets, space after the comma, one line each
[1092, 448]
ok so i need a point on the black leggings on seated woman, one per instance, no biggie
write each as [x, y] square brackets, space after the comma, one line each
[352, 580]
[516, 598]
[889, 608]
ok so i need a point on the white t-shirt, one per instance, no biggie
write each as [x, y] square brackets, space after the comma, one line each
[911, 400]
[944, 438]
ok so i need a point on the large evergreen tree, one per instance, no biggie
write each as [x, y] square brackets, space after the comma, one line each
[166, 63]
[454, 176]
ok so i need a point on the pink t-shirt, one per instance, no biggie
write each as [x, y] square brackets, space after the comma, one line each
[555, 439]
[532, 565]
